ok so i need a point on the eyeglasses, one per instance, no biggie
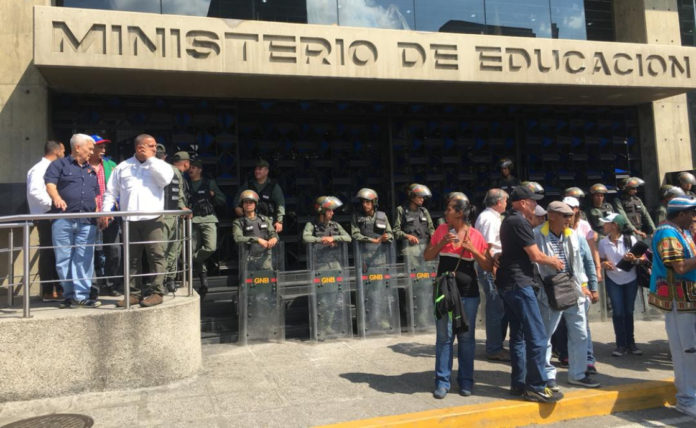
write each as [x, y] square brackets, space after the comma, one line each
[568, 215]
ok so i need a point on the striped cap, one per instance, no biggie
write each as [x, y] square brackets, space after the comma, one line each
[681, 203]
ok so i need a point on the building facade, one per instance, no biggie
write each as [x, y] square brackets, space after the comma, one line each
[344, 94]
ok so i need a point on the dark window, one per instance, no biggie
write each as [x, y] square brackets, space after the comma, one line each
[451, 16]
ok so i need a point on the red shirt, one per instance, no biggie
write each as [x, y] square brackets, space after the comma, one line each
[455, 249]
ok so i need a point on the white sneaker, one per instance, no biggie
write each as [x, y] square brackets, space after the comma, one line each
[690, 411]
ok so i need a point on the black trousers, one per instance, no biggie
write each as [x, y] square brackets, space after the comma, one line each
[107, 260]
[47, 257]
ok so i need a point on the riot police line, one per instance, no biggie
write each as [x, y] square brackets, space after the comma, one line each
[370, 287]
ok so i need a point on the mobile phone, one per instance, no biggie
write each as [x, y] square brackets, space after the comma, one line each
[454, 232]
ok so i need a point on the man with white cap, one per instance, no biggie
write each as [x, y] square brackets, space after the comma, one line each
[590, 259]
[673, 289]
[539, 216]
[555, 238]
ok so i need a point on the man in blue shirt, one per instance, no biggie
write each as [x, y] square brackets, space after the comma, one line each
[73, 187]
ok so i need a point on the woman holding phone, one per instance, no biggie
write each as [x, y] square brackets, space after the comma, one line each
[621, 285]
[458, 246]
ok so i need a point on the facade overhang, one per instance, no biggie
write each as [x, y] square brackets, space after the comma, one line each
[98, 51]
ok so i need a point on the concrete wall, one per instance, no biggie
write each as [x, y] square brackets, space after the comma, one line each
[23, 101]
[60, 352]
[664, 124]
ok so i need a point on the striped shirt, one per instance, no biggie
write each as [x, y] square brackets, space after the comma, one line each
[557, 245]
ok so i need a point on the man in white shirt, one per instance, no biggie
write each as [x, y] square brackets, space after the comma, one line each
[138, 184]
[488, 223]
[40, 203]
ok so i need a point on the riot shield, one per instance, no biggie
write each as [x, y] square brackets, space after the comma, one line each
[329, 303]
[419, 291]
[377, 303]
[261, 317]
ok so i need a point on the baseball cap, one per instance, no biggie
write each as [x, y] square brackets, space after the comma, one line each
[571, 201]
[520, 192]
[161, 149]
[539, 211]
[560, 207]
[99, 140]
[681, 203]
[179, 156]
[262, 163]
[197, 163]
[615, 218]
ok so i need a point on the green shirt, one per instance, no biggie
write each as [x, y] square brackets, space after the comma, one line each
[368, 222]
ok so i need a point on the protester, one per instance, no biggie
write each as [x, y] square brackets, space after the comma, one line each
[516, 282]
[621, 285]
[488, 223]
[138, 184]
[672, 287]
[40, 203]
[458, 245]
[73, 187]
[556, 238]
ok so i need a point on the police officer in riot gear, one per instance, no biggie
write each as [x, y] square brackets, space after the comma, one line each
[204, 196]
[413, 225]
[632, 208]
[599, 208]
[507, 181]
[256, 231]
[686, 182]
[667, 193]
[271, 199]
[370, 225]
[324, 230]
[175, 198]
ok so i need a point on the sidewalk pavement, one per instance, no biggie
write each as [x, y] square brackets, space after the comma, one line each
[306, 384]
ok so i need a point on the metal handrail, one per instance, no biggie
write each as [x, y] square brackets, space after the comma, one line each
[25, 221]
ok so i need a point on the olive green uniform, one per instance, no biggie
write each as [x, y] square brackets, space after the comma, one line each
[271, 199]
[633, 209]
[594, 214]
[204, 233]
[363, 228]
[326, 257]
[172, 249]
[248, 231]
[417, 223]
[660, 214]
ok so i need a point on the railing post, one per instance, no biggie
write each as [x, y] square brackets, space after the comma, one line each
[25, 246]
[10, 269]
[189, 266]
[126, 261]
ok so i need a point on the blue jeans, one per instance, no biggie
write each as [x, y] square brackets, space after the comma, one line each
[466, 345]
[73, 240]
[496, 320]
[528, 338]
[576, 324]
[623, 300]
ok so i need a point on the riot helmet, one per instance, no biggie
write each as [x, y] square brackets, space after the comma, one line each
[505, 163]
[419, 190]
[599, 188]
[633, 183]
[324, 203]
[575, 192]
[248, 195]
[686, 178]
[668, 190]
[367, 194]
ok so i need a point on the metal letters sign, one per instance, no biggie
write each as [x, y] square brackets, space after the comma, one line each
[69, 37]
